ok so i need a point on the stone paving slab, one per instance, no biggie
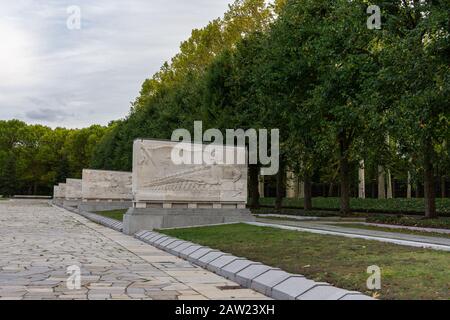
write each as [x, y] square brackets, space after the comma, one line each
[38, 242]
[271, 282]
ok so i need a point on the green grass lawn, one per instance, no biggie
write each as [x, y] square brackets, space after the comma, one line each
[407, 273]
[367, 205]
[113, 214]
[387, 229]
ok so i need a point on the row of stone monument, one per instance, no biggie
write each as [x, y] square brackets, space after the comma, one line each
[160, 193]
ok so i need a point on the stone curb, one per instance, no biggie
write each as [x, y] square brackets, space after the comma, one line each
[272, 282]
[107, 222]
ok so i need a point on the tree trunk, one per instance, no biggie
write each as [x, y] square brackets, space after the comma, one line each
[389, 192]
[442, 187]
[279, 197]
[254, 186]
[307, 203]
[381, 183]
[429, 192]
[417, 191]
[345, 179]
[362, 181]
[291, 181]
[330, 190]
[409, 187]
[301, 190]
[261, 186]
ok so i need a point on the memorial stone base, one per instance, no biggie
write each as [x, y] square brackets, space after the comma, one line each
[71, 203]
[137, 219]
[58, 202]
[104, 205]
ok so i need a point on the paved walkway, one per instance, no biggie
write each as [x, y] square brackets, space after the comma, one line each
[38, 242]
[390, 237]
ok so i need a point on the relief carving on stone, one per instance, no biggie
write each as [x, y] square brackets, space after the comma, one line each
[157, 177]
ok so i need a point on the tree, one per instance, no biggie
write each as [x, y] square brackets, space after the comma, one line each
[414, 82]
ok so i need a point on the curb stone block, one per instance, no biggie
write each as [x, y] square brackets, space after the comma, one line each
[159, 241]
[323, 292]
[174, 244]
[152, 239]
[356, 296]
[198, 254]
[265, 282]
[245, 276]
[168, 242]
[292, 287]
[162, 244]
[231, 270]
[189, 250]
[146, 236]
[221, 262]
[174, 247]
[141, 233]
[177, 250]
[207, 258]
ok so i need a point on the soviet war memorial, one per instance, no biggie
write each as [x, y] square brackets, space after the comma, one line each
[274, 153]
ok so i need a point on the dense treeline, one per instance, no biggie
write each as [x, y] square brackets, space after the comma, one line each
[347, 99]
[33, 158]
[344, 96]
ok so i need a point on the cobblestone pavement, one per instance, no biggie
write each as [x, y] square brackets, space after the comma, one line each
[39, 242]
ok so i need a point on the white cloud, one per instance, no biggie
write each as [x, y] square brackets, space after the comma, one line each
[56, 76]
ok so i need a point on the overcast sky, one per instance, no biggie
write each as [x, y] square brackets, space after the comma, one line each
[52, 75]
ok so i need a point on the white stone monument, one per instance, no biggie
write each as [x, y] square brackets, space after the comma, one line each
[73, 193]
[106, 190]
[59, 194]
[171, 194]
[56, 192]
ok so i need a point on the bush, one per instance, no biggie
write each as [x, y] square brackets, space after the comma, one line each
[441, 223]
[398, 205]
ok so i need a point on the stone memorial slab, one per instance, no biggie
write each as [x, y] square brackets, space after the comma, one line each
[73, 189]
[72, 193]
[106, 185]
[168, 193]
[106, 190]
[56, 192]
[60, 195]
